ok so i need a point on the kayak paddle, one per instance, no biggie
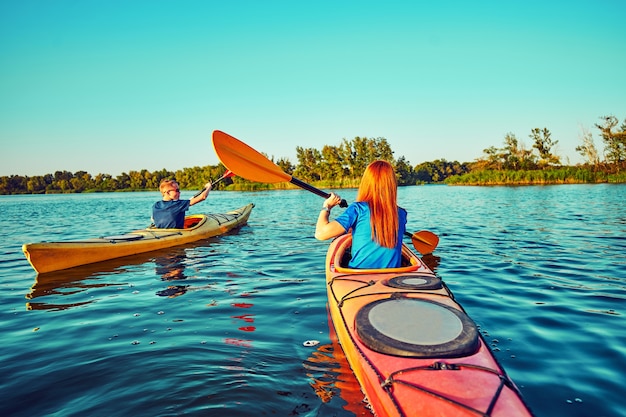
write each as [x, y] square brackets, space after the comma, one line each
[424, 241]
[227, 174]
[251, 165]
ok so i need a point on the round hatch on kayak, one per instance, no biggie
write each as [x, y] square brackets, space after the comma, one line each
[415, 282]
[413, 327]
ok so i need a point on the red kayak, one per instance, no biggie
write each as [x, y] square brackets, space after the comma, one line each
[413, 349]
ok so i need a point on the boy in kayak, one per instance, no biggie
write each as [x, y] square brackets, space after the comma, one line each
[169, 213]
[377, 223]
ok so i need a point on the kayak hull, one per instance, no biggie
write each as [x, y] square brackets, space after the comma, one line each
[54, 256]
[411, 346]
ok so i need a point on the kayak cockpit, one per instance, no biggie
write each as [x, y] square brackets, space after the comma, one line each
[342, 255]
[191, 222]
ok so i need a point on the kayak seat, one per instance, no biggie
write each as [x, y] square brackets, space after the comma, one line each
[410, 262]
[191, 222]
[347, 256]
[434, 331]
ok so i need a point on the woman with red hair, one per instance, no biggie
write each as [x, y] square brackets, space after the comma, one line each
[376, 221]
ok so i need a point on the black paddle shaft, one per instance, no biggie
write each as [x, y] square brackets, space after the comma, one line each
[202, 190]
[314, 190]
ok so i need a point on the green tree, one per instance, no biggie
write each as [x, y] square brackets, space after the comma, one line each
[36, 185]
[438, 170]
[160, 175]
[404, 172]
[86, 179]
[61, 181]
[308, 164]
[285, 165]
[150, 180]
[136, 180]
[13, 185]
[588, 148]
[515, 154]
[359, 152]
[122, 181]
[332, 164]
[542, 141]
[493, 160]
[615, 142]
[105, 182]
[81, 181]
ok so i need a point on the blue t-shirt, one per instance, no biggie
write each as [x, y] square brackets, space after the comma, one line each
[170, 214]
[366, 253]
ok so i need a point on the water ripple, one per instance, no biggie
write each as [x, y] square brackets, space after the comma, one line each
[218, 328]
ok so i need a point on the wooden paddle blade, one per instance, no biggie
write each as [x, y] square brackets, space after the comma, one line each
[424, 241]
[246, 162]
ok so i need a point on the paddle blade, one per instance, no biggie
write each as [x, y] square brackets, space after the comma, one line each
[424, 241]
[246, 162]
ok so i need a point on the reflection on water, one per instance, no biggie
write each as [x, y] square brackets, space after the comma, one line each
[173, 291]
[243, 319]
[330, 375]
[171, 266]
[432, 261]
[61, 288]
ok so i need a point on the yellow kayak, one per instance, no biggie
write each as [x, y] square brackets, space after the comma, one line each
[54, 256]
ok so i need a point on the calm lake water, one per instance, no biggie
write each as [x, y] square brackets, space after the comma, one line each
[217, 328]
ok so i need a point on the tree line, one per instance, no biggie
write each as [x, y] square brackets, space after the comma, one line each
[344, 164]
[81, 181]
[514, 163]
[516, 156]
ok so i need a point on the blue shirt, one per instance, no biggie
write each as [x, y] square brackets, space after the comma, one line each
[170, 214]
[366, 253]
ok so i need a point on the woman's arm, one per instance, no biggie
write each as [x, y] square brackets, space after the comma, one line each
[324, 228]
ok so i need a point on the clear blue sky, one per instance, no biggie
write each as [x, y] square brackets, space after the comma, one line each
[110, 86]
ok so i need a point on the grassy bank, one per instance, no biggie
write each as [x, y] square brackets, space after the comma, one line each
[566, 175]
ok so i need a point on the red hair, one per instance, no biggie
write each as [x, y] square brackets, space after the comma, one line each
[379, 189]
